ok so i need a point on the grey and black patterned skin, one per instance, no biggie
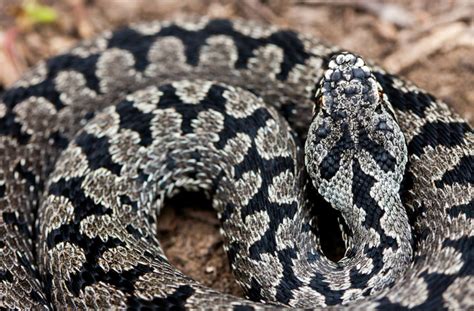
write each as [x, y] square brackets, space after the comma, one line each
[356, 155]
[92, 141]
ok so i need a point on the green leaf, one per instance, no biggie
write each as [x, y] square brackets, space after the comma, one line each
[39, 14]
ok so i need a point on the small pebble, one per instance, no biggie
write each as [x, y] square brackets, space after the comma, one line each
[210, 269]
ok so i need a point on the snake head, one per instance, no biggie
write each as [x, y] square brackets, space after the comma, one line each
[348, 91]
[352, 129]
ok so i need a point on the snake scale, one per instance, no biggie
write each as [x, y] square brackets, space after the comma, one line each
[271, 125]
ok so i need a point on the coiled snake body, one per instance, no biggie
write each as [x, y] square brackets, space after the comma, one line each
[93, 141]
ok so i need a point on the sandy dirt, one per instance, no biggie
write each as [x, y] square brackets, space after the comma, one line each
[431, 42]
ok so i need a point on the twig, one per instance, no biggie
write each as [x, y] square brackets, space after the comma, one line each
[12, 63]
[411, 53]
[255, 9]
[462, 13]
[388, 12]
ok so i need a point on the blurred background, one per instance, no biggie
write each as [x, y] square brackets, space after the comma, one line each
[431, 42]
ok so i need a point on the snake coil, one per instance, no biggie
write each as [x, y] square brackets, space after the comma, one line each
[92, 141]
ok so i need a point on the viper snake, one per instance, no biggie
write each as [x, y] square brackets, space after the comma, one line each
[276, 128]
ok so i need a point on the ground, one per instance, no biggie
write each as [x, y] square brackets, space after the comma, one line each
[431, 42]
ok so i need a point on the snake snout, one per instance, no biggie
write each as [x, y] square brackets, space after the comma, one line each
[348, 87]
